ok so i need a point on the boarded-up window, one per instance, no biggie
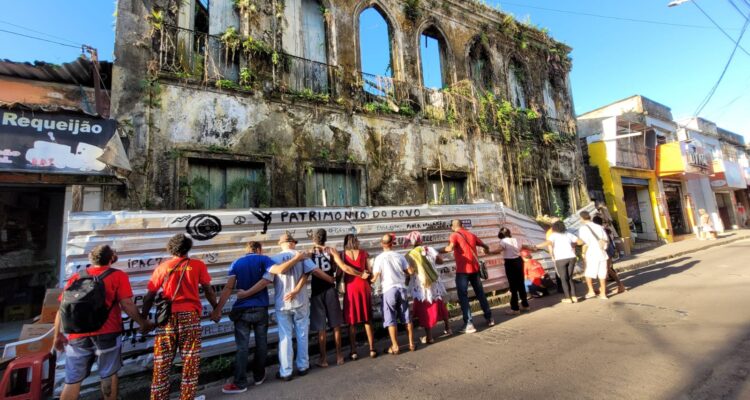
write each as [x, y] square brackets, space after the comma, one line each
[342, 188]
[525, 199]
[305, 40]
[451, 190]
[216, 185]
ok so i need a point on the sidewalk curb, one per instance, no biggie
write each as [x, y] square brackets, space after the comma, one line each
[656, 260]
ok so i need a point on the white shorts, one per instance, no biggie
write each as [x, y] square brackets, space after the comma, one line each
[596, 269]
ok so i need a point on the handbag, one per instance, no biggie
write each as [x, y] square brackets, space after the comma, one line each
[483, 274]
[603, 244]
[340, 277]
[162, 303]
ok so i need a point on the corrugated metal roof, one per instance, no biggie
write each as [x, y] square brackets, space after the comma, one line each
[78, 72]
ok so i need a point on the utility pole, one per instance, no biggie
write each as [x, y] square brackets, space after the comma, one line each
[98, 99]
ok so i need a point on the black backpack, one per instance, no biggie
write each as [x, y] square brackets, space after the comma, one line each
[84, 307]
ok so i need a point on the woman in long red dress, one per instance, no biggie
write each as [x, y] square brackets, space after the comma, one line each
[358, 297]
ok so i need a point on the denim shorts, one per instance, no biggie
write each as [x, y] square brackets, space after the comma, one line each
[395, 307]
[81, 353]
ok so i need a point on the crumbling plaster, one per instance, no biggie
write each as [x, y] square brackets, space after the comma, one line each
[393, 151]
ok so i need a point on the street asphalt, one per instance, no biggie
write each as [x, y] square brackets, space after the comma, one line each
[682, 331]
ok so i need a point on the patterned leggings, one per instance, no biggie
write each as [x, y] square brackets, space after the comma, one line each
[183, 332]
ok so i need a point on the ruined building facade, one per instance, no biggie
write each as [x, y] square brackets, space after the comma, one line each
[258, 103]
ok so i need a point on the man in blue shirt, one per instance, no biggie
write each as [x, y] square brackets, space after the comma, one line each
[250, 274]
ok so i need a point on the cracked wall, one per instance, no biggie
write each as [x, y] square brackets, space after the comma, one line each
[168, 116]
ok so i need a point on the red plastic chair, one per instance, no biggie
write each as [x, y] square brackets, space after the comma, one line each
[29, 377]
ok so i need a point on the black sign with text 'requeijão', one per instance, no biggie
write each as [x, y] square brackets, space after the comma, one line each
[53, 143]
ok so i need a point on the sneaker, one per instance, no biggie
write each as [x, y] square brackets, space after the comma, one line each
[231, 388]
[283, 378]
[260, 381]
[603, 297]
[589, 296]
[491, 322]
[468, 328]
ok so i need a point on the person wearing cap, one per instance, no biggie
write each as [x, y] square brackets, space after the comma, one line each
[250, 275]
[427, 289]
[392, 268]
[292, 305]
[534, 275]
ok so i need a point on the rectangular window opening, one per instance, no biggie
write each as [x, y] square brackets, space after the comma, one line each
[218, 184]
[341, 188]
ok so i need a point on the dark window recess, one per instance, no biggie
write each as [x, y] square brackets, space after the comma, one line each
[342, 188]
[216, 185]
[451, 190]
[560, 201]
[31, 221]
[480, 67]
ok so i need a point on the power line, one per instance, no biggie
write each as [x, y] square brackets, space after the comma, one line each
[711, 93]
[737, 43]
[42, 39]
[39, 32]
[737, 8]
[645, 21]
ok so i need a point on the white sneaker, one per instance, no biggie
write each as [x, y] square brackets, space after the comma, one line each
[469, 328]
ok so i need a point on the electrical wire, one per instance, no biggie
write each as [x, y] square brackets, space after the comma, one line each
[737, 8]
[39, 32]
[42, 39]
[711, 93]
[645, 21]
[737, 43]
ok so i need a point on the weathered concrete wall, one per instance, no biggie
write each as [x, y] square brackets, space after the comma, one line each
[165, 116]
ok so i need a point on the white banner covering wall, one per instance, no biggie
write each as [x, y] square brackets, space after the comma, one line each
[219, 236]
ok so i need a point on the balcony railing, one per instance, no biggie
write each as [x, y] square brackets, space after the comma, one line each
[559, 126]
[304, 77]
[385, 95]
[188, 54]
[639, 158]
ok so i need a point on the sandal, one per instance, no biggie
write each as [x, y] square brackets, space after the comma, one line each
[392, 352]
[448, 332]
[413, 348]
[354, 356]
[373, 353]
[340, 361]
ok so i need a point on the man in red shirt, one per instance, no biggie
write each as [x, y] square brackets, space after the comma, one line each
[463, 244]
[103, 344]
[179, 279]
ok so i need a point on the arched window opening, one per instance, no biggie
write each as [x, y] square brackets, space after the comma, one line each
[515, 86]
[549, 100]
[433, 54]
[480, 68]
[306, 44]
[376, 52]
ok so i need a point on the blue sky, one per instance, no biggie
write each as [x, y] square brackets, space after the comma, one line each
[612, 59]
